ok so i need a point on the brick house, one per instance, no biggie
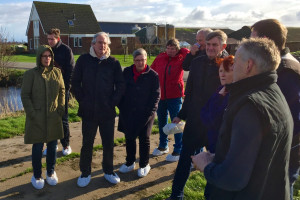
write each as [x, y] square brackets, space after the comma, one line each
[123, 35]
[77, 24]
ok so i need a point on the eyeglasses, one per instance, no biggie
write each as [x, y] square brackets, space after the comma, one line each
[46, 56]
[141, 60]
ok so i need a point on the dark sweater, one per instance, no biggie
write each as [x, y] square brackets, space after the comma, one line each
[64, 59]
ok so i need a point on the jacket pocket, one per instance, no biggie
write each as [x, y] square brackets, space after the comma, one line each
[180, 89]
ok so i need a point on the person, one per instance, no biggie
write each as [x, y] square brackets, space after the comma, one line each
[288, 81]
[212, 113]
[202, 82]
[253, 149]
[98, 85]
[137, 111]
[63, 59]
[43, 94]
[198, 49]
[168, 65]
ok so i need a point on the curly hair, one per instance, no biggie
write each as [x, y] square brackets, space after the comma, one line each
[227, 62]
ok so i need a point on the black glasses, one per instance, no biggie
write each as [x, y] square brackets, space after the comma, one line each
[46, 56]
[141, 60]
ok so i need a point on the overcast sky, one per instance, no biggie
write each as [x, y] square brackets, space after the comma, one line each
[14, 14]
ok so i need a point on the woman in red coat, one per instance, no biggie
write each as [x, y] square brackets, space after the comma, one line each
[168, 65]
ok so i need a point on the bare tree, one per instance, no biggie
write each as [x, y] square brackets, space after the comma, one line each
[6, 55]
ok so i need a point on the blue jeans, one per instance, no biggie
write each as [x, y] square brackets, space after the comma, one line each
[37, 151]
[173, 106]
[183, 171]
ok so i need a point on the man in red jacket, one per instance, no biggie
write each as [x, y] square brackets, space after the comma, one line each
[168, 65]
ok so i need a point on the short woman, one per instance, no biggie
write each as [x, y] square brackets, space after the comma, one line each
[212, 112]
[137, 111]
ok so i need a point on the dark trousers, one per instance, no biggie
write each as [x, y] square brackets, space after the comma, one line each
[144, 149]
[65, 121]
[183, 170]
[37, 151]
[89, 130]
[293, 174]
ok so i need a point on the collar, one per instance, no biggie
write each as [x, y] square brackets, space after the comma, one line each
[251, 83]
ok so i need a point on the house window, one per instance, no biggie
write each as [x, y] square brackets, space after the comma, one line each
[36, 42]
[77, 42]
[30, 44]
[70, 22]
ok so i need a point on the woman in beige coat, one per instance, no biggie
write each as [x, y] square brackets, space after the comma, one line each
[43, 97]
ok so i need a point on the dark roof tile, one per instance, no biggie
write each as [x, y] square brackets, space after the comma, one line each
[57, 15]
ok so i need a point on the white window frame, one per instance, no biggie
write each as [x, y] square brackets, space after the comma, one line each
[77, 41]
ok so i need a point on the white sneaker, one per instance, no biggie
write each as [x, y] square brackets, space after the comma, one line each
[67, 151]
[52, 180]
[112, 178]
[45, 151]
[172, 158]
[157, 152]
[37, 184]
[124, 168]
[83, 181]
[142, 172]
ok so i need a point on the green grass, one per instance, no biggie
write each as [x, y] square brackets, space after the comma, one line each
[193, 190]
[31, 58]
[12, 126]
[195, 186]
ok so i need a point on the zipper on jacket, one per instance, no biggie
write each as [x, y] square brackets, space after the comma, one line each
[180, 90]
[165, 78]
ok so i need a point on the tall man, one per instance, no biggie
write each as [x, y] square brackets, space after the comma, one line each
[98, 86]
[203, 81]
[63, 59]
[288, 81]
[253, 149]
[168, 65]
[198, 49]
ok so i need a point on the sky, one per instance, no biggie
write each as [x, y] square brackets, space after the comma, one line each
[233, 14]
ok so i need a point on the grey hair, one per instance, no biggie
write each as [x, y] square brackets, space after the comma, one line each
[262, 51]
[204, 31]
[103, 34]
[139, 52]
[219, 34]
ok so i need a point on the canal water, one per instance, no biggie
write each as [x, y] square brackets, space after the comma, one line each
[10, 99]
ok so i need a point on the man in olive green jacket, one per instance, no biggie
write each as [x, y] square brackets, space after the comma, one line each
[43, 94]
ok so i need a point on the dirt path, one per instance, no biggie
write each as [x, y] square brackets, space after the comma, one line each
[16, 157]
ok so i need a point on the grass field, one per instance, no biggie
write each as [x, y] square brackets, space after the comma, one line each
[125, 62]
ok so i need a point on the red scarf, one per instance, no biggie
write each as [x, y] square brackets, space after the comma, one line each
[136, 74]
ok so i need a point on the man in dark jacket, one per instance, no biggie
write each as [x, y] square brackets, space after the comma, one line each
[198, 49]
[202, 83]
[98, 86]
[63, 59]
[253, 149]
[288, 81]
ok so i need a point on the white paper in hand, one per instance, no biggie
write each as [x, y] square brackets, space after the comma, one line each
[173, 128]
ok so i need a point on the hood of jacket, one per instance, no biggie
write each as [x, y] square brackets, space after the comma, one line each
[39, 53]
[93, 53]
